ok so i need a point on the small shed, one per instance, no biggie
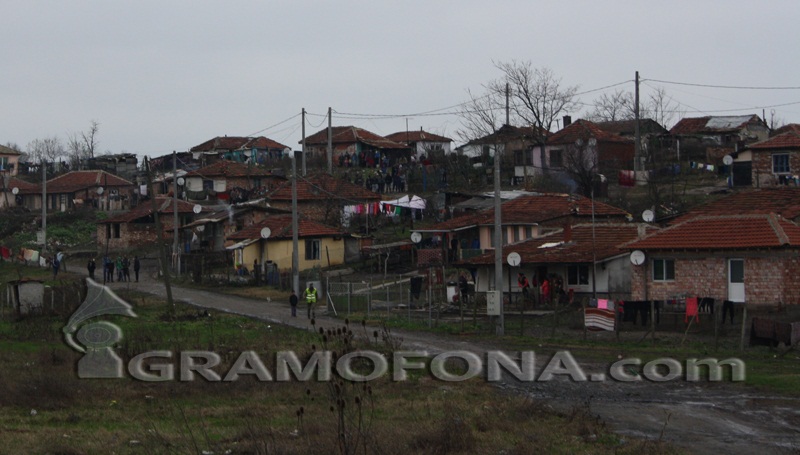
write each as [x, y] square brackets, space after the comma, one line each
[26, 295]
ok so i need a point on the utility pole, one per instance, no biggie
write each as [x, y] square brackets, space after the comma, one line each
[637, 133]
[295, 229]
[44, 205]
[160, 231]
[498, 240]
[304, 143]
[508, 106]
[176, 254]
[330, 144]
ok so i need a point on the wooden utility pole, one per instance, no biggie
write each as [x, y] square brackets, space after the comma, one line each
[44, 206]
[295, 230]
[637, 133]
[498, 240]
[175, 248]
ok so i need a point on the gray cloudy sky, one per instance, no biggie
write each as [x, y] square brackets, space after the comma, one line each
[167, 75]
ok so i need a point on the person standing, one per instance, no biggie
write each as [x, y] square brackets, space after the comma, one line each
[91, 266]
[293, 303]
[136, 267]
[524, 285]
[56, 265]
[311, 297]
[126, 269]
[118, 266]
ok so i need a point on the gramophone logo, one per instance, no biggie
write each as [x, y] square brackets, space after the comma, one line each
[97, 338]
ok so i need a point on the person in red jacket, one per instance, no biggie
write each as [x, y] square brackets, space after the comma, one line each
[546, 290]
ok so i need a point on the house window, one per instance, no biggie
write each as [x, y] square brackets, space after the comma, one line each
[516, 234]
[578, 275]
[528, 232]
[663, 269]
[3, 163]
[556, 158]
[112, 230]
[523, 157]
[312, 249]
[780, 164]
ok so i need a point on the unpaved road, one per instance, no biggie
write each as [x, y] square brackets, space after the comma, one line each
[698, 417]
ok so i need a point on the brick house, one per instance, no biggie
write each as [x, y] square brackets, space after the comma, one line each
[579, 151]
[78, 188]
[740, 258]
[569, 254]
[776, 161]
[136, 228]
[523, 218]
[209, 232]
[322, 197]
[512, 141]
[354, 141]
[229, 181]
[782, 200]
[318, 245]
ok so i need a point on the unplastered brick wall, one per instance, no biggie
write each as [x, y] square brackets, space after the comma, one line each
[769, 279]
[762, 168]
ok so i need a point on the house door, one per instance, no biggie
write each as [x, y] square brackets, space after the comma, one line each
[736, 280]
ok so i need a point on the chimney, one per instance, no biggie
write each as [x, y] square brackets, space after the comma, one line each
[567, 233]
[567, 120]
[641, 231]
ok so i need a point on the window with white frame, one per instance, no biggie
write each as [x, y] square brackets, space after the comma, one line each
[577, 275]
[780, 163]
[663, 269]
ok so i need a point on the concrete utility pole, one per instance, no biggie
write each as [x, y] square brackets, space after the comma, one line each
[330, 143]
[304, 143]
[637, 134]
[162, 250]
[498, 239]
[44, 206]
[295, 229]
[175, 248]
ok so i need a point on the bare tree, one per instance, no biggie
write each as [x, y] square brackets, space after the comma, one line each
[82, 145]
[620, 105]
[537, 98]
[47, 149]
[580, 162]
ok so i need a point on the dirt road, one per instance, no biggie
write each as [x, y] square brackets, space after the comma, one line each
[698, 417]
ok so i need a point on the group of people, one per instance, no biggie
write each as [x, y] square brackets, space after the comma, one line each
[550, 287]
[120, 267]
[310, 295]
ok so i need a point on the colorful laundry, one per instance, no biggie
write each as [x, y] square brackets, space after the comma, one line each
[691, 309]
[597, 319]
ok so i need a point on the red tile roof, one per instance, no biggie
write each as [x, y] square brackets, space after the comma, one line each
[508, 133]
[730, 232]
[24, 187]
[585, 130]
[321, 187]
[237, 143]
[787, 140]
[80, 180]
[533, 210]
[790, 127]
[407, 137]
[145, 208]
[609, 239]
[281, 227]
[784, 201]
[231, 169]
[352, 135]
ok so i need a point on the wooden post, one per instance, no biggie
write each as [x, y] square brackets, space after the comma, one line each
[653, 319]
[715, 310]
[583, 305]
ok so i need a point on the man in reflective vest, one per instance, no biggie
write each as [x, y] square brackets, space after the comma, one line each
[311, 297]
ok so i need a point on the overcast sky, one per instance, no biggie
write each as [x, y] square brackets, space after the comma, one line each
[168, 75]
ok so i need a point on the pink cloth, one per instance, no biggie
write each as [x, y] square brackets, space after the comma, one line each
[691, 309]
[602, 304]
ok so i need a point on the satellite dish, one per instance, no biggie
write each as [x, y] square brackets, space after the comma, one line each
[15, 190]
[648, 216]
[181, 181]
[201, 228]
[579, 142]
[727, 160]
[265, 233]
[637, 257]
[513, 259]
[197, 208]
[416, 237]
[288, 151]
[100, 190]
[592, 142]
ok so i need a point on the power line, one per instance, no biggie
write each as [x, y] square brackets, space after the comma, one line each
[273, 126]
[736, 87]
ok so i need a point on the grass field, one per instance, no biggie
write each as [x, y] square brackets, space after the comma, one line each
[48, 409]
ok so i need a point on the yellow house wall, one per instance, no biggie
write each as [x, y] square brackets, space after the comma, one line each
[280, 252]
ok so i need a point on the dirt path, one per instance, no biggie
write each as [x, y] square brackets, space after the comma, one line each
[698, 417]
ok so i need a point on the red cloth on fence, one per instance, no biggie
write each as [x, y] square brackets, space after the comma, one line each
[691, 309]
